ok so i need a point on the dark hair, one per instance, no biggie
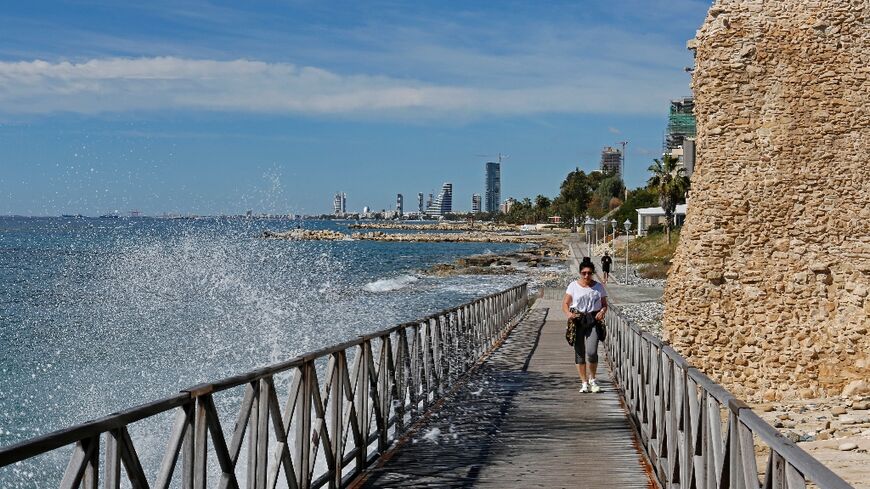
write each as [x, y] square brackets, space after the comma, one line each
[587, 263]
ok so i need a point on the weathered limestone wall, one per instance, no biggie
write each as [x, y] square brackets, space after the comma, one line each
[768, 290]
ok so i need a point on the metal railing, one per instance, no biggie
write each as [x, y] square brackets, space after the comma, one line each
[695, 433]
[373, 390]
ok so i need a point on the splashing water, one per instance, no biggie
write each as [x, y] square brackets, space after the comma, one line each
[103, 314]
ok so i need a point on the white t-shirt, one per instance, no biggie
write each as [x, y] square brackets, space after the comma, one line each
[586, 299]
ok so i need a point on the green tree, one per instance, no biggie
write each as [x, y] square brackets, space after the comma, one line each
[671, 183]
[637, 199]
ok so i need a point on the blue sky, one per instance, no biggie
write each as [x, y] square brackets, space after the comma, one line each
[218, 107]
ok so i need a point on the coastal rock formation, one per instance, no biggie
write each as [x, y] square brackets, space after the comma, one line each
[768, 292]
[439, 226]
[551, 245]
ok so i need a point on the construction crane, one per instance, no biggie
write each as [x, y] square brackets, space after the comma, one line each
[499, 156]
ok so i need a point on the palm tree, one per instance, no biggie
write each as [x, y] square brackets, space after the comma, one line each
[670, 181]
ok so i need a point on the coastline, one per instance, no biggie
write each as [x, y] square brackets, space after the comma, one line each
[543, 263]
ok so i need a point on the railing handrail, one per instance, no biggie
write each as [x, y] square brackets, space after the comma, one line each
[669, 427]
[476, 326]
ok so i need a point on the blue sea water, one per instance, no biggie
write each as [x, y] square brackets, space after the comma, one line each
[102, 314]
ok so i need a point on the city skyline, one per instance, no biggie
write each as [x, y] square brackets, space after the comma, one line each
[201, 108]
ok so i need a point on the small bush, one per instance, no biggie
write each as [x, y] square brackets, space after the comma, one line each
[655, 270]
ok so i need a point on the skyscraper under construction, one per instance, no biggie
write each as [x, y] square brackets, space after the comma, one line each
[493, 186]
[681, 123]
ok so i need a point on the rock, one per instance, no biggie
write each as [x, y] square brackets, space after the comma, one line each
[823, 436]
[845, 447]
[856, 387]
[795, 437]
[838, 410]
[861, 406]
[767, 409]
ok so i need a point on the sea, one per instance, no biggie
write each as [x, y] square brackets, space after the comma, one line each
[101, 314]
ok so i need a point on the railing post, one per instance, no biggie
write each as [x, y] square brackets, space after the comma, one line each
[362, 403]
[302, 446]
[336, 429]
[262, 452]
[200, 444]
[253, 434]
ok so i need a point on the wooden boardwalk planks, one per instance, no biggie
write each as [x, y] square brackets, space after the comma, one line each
[520, 422]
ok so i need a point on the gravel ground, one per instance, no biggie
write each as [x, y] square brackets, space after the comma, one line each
[647, 315]
[618, 272]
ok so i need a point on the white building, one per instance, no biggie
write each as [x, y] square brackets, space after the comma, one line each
[650, 216]
[443, 204]
[475, 203]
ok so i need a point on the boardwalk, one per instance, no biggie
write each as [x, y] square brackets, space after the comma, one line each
[520, 422]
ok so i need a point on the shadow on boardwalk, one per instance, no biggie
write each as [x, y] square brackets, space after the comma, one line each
[520, 422]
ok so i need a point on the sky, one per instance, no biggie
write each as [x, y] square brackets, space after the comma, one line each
[205, 107]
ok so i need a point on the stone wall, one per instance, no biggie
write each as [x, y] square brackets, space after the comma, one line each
[768, 289]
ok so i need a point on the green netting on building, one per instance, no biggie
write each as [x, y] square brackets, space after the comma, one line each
[681, 123]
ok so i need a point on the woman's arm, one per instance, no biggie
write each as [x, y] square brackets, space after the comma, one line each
[603, 311]
[566, 306]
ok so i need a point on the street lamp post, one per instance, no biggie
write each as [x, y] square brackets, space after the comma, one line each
[627, 225]
[623, 143]
[595, 222]
[613, 224]
[589, 225]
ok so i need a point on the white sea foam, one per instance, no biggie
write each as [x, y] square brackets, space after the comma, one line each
[432, 435]
[390, 284]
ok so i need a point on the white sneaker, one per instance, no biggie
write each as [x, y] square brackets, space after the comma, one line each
[594, 386]
[584, 387]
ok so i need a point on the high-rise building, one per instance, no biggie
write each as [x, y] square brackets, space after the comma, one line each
[400, 205]
[429, 201]
[443, 204]
[420, 207]
[475, 203]
[681, 123]
[493, 186]
[611, 161]
[343, 203]
[338, 204]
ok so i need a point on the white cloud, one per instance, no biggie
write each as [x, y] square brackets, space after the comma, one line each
[171, 83]
[614, 130]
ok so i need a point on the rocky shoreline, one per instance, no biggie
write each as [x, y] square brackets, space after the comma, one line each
[458, 237]
[440, 226]
[543, 263]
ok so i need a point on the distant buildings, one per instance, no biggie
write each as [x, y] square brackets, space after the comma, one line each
[493, 186]
[420, 207]
[611, 161]
[506, 206]
[339, 204]
[680, 137]
[681, 123]
[443, 204]
[400, 205]
[475, 203]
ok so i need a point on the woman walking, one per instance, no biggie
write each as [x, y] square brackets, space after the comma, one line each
[585, 303]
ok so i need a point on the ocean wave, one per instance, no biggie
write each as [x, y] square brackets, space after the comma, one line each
[390, 284]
